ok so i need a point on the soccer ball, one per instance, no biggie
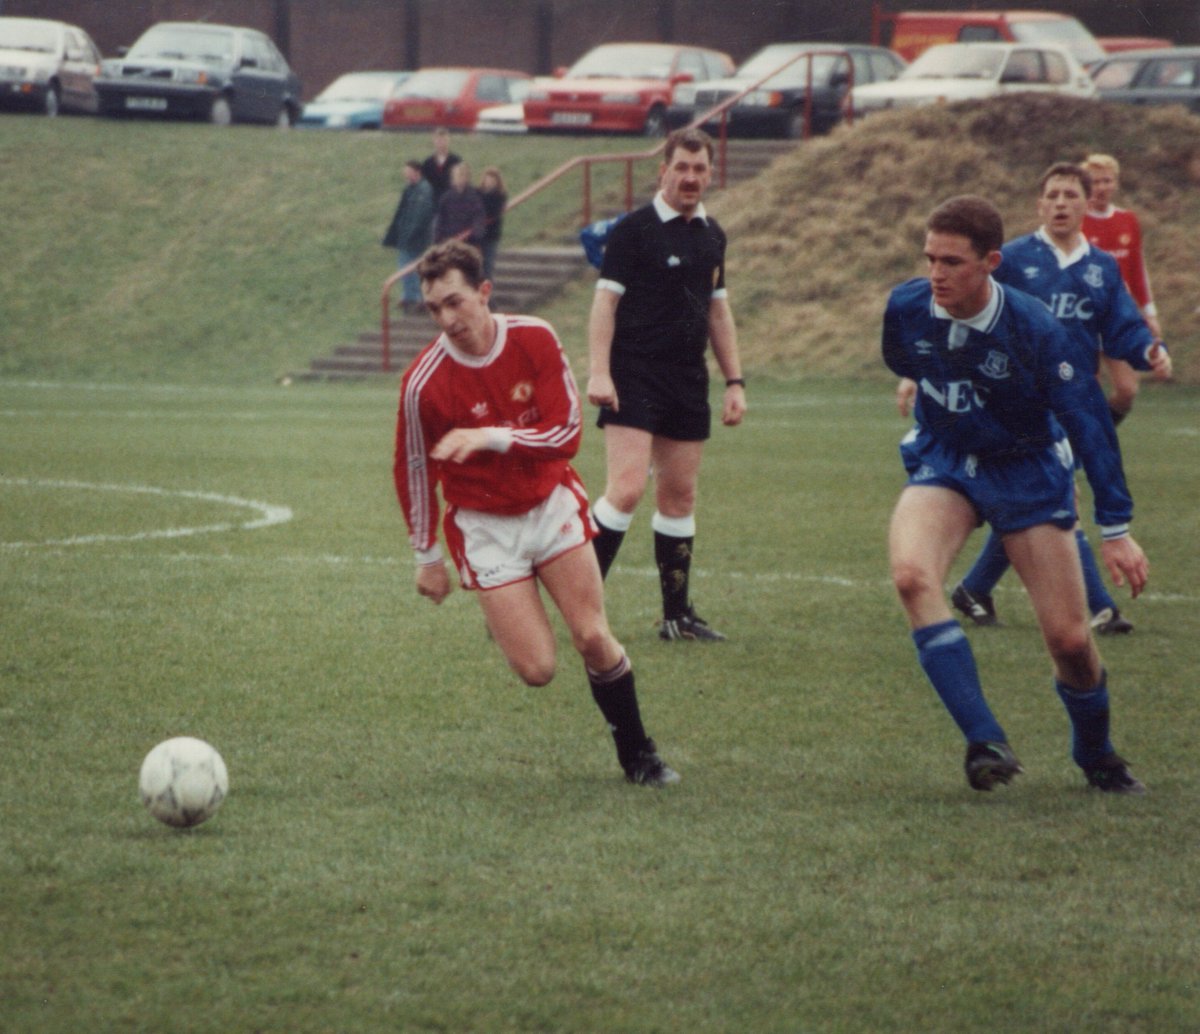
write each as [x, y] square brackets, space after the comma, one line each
[183, 781]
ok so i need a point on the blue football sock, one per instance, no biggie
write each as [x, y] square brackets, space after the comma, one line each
[989, 567]
[946, 657]
[1088, 712]
[1098, 596]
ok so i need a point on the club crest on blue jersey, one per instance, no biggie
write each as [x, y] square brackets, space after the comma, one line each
[995, 366]
[1066, 372]
[1094, 276]
[1031, 272]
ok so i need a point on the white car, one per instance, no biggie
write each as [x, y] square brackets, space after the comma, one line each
[974, 71]
[506, 118]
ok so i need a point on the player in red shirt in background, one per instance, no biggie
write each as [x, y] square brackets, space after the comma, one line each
[489, 411]
[1117, 231]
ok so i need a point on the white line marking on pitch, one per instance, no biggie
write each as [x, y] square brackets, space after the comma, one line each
[268, 513]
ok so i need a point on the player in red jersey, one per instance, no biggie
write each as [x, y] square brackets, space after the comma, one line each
[490, 412]
[1117, 231]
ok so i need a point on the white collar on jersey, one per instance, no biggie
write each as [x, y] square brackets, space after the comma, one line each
[1081, 252]
[982, 320]
[1108, 212]
[666, 213]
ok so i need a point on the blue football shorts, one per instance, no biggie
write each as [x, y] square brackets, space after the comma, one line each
[1010, 493]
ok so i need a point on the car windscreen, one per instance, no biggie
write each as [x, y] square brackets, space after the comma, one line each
[952, 61]
[624, 63]
[439, 85]
[359, 88]
[1067, 31]
[208, 45]
[18, 34]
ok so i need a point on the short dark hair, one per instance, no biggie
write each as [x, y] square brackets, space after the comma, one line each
[449, 255]
[975, 218]
[413, 164]
[690, 140]
[1071, 171]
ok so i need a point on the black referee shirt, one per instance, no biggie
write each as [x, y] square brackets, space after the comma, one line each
[669, 271]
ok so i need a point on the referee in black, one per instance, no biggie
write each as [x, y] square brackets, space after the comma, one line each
[660, 300]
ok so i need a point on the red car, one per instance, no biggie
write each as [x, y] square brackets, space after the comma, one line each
[621, 88]
[450, 97]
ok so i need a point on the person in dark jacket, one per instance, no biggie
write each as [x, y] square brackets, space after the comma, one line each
[411, 232]
[460, 210]
[495, 197]
[438, 166]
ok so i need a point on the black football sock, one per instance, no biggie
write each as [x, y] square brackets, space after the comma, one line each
[606, 545]
[616, 696]
[673, 555]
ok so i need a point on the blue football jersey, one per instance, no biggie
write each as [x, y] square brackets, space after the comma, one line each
[1087, 296]
[1008, 388]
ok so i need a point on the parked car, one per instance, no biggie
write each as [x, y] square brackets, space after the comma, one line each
[777, 107]
[913, 32]
[621, 88]
[973, 71]
[506, 118]
[1158, 76]
[47, 66]
[352, 101]
[450, 97]
[222, 73]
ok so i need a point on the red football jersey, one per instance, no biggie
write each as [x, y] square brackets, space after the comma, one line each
[522, 391]
[1119, 233]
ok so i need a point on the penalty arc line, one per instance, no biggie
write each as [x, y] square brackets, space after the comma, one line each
[268, 513]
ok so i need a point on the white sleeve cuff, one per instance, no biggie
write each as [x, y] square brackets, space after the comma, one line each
[610, 285]
[1150, 309]
[1114, 531]
[432, 555]
[499, 439]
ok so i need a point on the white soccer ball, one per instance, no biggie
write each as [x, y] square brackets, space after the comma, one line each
[183, 781]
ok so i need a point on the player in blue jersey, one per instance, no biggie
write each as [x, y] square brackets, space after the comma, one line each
[998, 392]
[1083, 288]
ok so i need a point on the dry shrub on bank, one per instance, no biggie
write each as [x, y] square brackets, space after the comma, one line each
[817, 241]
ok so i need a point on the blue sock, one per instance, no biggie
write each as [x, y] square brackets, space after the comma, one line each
[989, 567]
[1088, 712]
[946, 657]
[1098, 596]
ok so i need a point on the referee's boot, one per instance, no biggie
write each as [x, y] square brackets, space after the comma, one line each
[689, 625]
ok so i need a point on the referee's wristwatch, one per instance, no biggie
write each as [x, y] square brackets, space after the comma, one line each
[738, 381]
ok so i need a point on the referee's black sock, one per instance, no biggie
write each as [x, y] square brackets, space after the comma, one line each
[673, 540]
[616, 696]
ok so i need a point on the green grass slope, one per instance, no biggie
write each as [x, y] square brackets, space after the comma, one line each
[165, 252]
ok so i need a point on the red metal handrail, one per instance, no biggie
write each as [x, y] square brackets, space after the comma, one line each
[586, 161]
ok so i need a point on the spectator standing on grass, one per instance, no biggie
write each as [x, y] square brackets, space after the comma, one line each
[1082, 287]
[660, 299]
[438, 166]
[489, 412]
[495, 197]
[1118, 231]
[998, 392]
[460, 210]
[411, 231]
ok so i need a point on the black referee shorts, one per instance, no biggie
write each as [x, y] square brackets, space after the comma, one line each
[666, 400]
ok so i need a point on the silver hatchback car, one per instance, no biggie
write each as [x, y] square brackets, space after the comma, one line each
[47, 66]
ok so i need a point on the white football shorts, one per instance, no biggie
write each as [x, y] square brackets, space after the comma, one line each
[491, 551]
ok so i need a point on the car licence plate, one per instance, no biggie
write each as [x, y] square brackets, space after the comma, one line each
[571, 118]
[146, 103]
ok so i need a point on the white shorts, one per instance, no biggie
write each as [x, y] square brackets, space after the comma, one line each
[491, 551]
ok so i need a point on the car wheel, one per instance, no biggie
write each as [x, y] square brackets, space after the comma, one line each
[53, 102]
[656, 122]
[220, 114]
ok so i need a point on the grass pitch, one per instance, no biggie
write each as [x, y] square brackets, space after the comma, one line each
[413, 841]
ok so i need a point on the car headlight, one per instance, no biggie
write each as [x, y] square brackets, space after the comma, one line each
[619, 98]
[13, 71]
[685, 94]
[762, 99]
[194, 76]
